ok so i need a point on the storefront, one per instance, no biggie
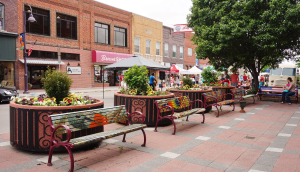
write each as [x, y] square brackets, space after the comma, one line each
[7, 59]
[100, 59]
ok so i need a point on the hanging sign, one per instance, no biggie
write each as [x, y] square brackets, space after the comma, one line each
[22, 41]
[181, 28]
[73, 70]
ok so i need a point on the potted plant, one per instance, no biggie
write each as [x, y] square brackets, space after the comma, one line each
[29, 86]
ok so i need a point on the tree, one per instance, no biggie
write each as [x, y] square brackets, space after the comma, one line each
[247, 33]
[209, 75]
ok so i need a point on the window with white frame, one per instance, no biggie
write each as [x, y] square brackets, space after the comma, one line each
[1, 16]
[148, 45]
[157, 48]
[174, 51]
[190, 52]
[166, 53]
[181, 52]
[137, 45]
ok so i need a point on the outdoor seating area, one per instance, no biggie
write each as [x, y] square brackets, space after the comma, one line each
[240, 94]
[274, 91]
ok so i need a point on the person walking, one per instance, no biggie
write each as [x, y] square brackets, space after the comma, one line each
[197, 79]
[177, 80]
[151, 81]
[288, 91]
[234, 79]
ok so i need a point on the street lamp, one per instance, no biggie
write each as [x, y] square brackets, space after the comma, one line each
[30, 19]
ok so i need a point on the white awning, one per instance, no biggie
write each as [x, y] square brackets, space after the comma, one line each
[41, 62]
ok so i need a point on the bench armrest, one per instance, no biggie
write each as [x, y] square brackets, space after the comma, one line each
[196, 101]
[69, 136]
[136, 112]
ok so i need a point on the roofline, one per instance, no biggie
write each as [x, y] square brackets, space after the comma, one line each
[148, 18]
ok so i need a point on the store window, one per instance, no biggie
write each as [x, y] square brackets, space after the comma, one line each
[53, 55]
[120, 36]
[137, 45]
[1, 17]
[166, 52]
[174, 51]
[181, 52]
[42, 24]
[190, 52]
[157, 48]
[7, 74]
[107, 76]
[102, 33]
[148, 45]
[66, 26]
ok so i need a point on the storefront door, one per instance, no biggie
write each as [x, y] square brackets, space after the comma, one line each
[35, 74]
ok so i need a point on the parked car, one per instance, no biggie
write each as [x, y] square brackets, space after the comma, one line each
[5, 94]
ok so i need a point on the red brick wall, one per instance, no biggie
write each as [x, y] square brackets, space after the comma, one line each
[87, 12]
[10, 15]
[189, 61]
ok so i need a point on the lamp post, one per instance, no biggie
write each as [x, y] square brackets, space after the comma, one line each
[30, 19]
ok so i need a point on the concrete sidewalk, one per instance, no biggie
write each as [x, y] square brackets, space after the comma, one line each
[266, 138]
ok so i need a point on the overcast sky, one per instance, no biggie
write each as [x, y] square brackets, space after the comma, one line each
[169, 12]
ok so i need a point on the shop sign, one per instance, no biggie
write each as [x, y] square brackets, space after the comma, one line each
[74, 70]
[108, 57]
[181, 28]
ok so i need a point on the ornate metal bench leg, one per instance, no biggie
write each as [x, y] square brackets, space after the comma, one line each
[155, 130]
[71, 157]
[233, 106]
[218, 111]
[124, 138]
[144, 144]
[187, 118]
[203, 117]
[50, 156]
[174, 126]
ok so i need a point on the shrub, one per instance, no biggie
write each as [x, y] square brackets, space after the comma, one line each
[187, 81]
[209, 75]
[137, 78]
[57, 84]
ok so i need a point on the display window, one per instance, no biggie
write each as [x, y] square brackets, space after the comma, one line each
[7, 74]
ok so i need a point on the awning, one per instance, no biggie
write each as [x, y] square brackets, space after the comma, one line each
[41, 62]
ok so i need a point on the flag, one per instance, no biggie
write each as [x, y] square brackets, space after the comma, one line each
[29, 52]
[22, 40]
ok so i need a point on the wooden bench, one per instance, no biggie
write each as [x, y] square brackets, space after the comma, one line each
[216, 98]
[240, 94]
[76, 121]
[274, 91]
[177, 103]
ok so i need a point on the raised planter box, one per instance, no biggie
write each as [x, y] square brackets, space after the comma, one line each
[144, 104]
[30, 130]
[193, 95]
[224, 90]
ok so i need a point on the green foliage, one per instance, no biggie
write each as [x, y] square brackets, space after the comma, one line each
[187, 81]
[57, 84]
[209, 75]
[137, 78]
[249, 34]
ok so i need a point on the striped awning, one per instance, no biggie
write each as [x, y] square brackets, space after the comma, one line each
[45, 62]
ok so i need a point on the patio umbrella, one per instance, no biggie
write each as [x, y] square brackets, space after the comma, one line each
[194, 70]
[136, 60]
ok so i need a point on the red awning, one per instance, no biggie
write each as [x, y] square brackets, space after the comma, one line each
[174, 69]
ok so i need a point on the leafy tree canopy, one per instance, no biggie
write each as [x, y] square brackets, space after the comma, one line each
[246, 33]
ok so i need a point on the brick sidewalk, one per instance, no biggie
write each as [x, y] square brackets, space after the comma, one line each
[266, 138]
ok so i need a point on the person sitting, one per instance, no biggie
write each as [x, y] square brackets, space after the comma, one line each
[289, 91]
[261, 83]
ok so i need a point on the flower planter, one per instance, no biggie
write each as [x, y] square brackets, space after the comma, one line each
[224, 90]
[144, 104]
[193, 95]
[30, 130]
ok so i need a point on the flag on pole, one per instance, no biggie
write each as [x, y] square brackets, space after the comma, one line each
[29, 52]
[22, 41]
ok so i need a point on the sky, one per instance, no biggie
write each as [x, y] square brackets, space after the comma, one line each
[169, 12]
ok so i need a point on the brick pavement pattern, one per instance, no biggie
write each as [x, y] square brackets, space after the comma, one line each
[265, 138]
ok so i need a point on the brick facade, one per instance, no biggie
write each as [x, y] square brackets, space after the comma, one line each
[171, 38]
[189, 61]
[87, 12]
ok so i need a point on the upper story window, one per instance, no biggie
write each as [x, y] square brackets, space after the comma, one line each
[1, 16]
[190, 52]
[166, 52]
[181, 52]
[174, 50]
[66, 26]
[157, 48]
[42, 24]
[137, 45]
[148, 45]
[102, 33]
[53, 55]
[120, 36]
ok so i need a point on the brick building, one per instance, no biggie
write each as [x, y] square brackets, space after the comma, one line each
[147, 36]
[173, 47]
[189, 51]
[78, 28]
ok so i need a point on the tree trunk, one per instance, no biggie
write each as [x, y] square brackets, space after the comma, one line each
[255, 74]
